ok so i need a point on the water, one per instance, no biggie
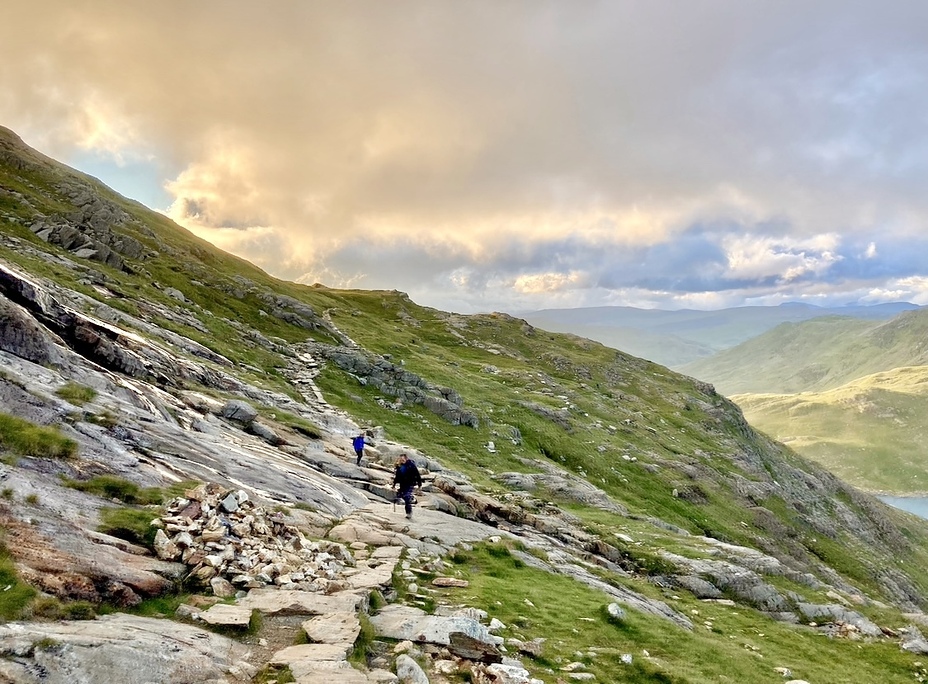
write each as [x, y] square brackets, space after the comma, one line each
[913, 504]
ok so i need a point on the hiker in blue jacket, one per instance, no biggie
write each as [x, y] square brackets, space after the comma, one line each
[358, 444]
[405, 479]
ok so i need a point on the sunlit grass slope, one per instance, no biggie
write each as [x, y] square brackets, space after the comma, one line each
[820, 354]
[872, 432]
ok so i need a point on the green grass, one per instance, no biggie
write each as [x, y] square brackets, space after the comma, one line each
[274, 674]
[113, 487]
[299, 424]
[76, 393]
[131, 524]
[533, 603]
[28, 439]
[362, 645]
[159, 606]
[15, 595]
[869, 432]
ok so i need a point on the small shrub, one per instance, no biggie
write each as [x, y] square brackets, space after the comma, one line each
[7, 493]
[458, 557]
[32, 499]
[46, 607]
[79, 610]
[377, 601]
[76, 393]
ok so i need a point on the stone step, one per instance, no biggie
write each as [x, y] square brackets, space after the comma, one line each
[334, 628]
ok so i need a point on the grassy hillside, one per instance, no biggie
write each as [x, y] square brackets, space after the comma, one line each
[871, 432]
[686, 473]
[820, 354]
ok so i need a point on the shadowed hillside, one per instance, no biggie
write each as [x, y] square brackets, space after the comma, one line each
[175, 434]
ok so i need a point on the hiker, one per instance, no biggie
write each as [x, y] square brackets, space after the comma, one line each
[405, 478]
[358, 444]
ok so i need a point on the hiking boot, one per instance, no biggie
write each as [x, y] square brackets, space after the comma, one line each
[409, 516]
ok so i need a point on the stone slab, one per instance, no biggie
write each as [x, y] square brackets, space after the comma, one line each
[333, 628]
[272, 601]
[227, 615]
[319, 663]
[372, 578]
[387, 552]
[408, 623]
[120, 648]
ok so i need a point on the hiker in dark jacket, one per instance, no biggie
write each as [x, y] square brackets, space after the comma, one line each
[358, 444]
[405, 479]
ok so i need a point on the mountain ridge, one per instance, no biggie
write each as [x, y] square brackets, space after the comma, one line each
[676, 338]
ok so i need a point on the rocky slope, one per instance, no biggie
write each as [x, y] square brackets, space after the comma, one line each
[556, 470]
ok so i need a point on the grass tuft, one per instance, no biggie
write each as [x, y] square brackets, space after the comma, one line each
[76, 393]
[28, 439]
[132, 524]
[15, 595]
[113, 487]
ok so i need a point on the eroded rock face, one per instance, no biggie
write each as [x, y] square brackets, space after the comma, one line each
[396, 381]
[22, 336]
[66, 561]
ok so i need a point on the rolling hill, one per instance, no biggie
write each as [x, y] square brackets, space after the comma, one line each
[848, 393]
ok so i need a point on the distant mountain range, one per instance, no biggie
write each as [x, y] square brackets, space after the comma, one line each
[677, 338]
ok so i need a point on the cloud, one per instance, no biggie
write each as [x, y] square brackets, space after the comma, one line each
[508, 155]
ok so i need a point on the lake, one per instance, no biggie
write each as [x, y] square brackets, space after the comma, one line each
[913, 504]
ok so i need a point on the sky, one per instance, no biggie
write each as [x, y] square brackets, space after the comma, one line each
[506, 155]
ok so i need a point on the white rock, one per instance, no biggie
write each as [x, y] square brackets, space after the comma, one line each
[409, 672]
[496, 625]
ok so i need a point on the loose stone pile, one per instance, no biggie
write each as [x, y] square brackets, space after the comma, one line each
[231, 543]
